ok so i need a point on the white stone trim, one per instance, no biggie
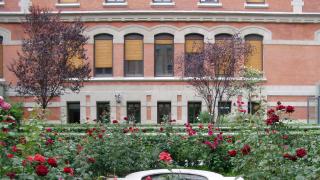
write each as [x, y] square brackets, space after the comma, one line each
[114, 4]
[292, 42]
[6, 34]
[67, 4]
[291, 103]
[2, 3]
[203, 4]
[162, 4]
[297, 6]
[317, 36]
[290, 90]
[256, 6]
[267, 34]
[24, 5]
[100, 29]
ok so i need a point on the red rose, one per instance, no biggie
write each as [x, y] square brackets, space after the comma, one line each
[68, 170]
[286, 156]
[52, 162]
[48, 130]
[125, 130]
[289, 109]
[42, 170]
[148, 178]
[161, 129]
[115, 122]
[91, 160]
[100, 136]
[50, 142]
[280, 107]
[10, 156]
[232, 153]
[165, 156]
[11, 175]
[301, 152]
[270, 112]
[200, 126]
[125, 118]
[39, 158]
[246, 149]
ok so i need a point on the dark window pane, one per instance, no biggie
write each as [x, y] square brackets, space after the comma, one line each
[73, 112]
[253, 107]
[103, 72]
[103, 112]
[133, 68]
[164, 60]
[134, 111]
[224, 108]
[164, 111]
[194, 109]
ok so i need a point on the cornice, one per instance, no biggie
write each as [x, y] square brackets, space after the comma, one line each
[172, 16]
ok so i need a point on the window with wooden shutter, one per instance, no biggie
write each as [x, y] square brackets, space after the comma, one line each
[256, 1]
[103, 54]
[133, 55]
[256, 58]
[163, 55]
[68, 1]
[221, 64]
[194, 43]
[1, 57]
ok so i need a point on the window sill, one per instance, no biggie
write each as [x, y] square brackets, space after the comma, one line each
[1, 3]
[162, 4]
[209, 4]
[68, 4]
[256, 6]
[115, 4]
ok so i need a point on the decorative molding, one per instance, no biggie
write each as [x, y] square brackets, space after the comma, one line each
[267, 34]
[290, 90]
[201, 4]
[297, 6]
[24, 5]
[173, 16]
[256, 6]
[6, 35]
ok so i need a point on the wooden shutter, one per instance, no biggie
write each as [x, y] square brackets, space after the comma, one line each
[255, 59]
[68, 1]
[134, 50]
[194, 46]
[255, 1]
[164, 41]
[1, 60]
[75, 62]
[103, 53]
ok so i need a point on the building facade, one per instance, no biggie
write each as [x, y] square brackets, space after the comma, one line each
[133, 46]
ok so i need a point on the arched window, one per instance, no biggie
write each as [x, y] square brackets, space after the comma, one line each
[193, 65]
[164, 48]
[103, 54]
[1, 57]
[255, 60]
[133, 52]
[221, 65]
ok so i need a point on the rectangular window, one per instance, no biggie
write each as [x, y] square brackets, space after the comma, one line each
[134, 111]
[68, 1]
[255, 1]
[194, 109]
[255, 59]
[133, 64]
[103, 112]
[115, 1]
[224, 107]
[164, 111]
[73, 110]
[164, 57]
[253, 107]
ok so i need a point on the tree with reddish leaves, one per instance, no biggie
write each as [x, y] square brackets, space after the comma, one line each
[215, 70]
[52, 59]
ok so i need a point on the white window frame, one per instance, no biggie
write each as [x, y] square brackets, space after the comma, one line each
[203, 3]
[171, 3]
[58, 4]
[115, 3]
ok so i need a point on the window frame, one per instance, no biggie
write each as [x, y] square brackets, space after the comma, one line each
[223, 37]
[134, 36]
[159, 121]
[107, 104]
[191, 36]
[107, 37]
[69, 103]
[224, 107]
[258, 37]
[155, 55]
[1, 58]
[193, 102]
[137, 121]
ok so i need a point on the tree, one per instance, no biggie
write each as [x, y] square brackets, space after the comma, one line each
[215, 70]
[52, 58]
